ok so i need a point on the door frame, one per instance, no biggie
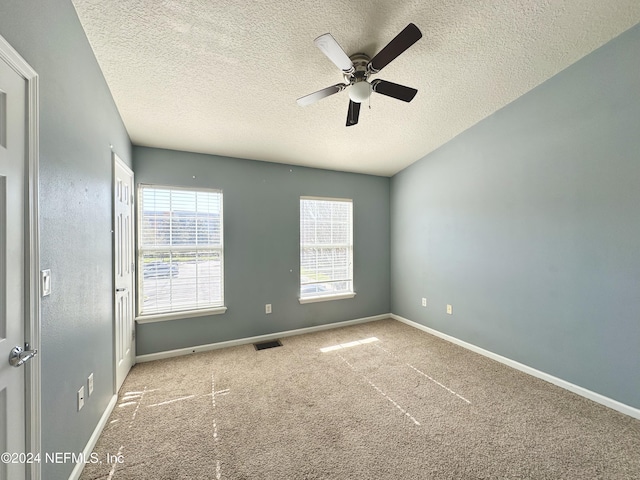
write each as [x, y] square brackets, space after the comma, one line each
[117, 160]
[32, 256]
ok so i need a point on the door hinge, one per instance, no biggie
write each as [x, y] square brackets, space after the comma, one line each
[133, 335]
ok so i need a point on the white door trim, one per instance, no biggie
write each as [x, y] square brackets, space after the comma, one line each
[32, 260]
[118, 163]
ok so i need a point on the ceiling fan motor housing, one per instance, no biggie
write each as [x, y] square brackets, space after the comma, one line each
[360, 70]
[360, 89]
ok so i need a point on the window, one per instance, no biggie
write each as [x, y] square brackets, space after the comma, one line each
[326, 249]
[180, 254]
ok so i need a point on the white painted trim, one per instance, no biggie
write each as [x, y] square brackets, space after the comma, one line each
[327, 199]
[117, 162]
[261, 338]
[178, 187]
[583, 392]
[163, 317]
[32, 329]
[326, 298]
[86, 453]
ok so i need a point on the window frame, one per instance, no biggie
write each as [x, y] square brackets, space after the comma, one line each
[332, 296]
[140, 250]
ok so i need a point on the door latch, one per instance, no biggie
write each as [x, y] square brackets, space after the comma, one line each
[19, 355]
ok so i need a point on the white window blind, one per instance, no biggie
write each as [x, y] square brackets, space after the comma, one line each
[180, 253]
[326, 247]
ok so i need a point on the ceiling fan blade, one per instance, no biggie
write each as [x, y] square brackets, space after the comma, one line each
[407, 37]
[393, 90]
[334, 52]
[353, 114]
[320, 94]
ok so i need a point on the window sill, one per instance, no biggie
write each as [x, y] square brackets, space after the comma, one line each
[326, 298]
[163, 317]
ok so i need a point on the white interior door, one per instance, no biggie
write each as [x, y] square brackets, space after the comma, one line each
[123, 270]
[13, 298]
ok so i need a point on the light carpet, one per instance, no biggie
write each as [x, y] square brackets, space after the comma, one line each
[406, 405]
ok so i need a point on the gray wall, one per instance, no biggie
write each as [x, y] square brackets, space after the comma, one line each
[261, 253]
[528, 225]
[77, 124]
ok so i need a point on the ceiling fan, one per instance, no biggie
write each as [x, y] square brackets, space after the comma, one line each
[357, 68]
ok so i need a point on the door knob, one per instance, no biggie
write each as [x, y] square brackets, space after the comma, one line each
[19, 355]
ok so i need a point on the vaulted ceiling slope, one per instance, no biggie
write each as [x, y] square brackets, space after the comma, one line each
[223, 76]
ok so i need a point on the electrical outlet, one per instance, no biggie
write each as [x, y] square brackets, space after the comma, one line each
[424, 302]
[449, 309]
[80, 398]
[267, 308]
[90, 384]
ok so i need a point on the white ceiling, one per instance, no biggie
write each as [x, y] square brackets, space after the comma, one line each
[223, 76]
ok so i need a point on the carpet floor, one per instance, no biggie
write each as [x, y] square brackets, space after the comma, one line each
[384, 400]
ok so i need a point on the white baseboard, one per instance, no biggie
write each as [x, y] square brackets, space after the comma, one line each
[261, 338]
[86, 453]
[596, 397]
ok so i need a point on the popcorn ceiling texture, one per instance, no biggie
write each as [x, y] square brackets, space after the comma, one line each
[222, 77]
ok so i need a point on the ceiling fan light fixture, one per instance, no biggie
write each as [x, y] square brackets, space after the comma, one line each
[360, 91]
[357, 68]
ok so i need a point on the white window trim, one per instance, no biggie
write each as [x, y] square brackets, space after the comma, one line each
[336, 296]
[327, 199]
[163, 317]
[326, 298]
[177, 314]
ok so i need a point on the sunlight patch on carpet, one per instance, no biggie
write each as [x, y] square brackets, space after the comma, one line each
[171, 401]
[355, 343]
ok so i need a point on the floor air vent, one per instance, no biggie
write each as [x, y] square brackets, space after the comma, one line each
[265, 345]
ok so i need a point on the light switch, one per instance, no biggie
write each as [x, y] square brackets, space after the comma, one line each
[45, 282]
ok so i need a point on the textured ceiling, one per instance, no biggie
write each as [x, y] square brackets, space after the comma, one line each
[223, 76]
